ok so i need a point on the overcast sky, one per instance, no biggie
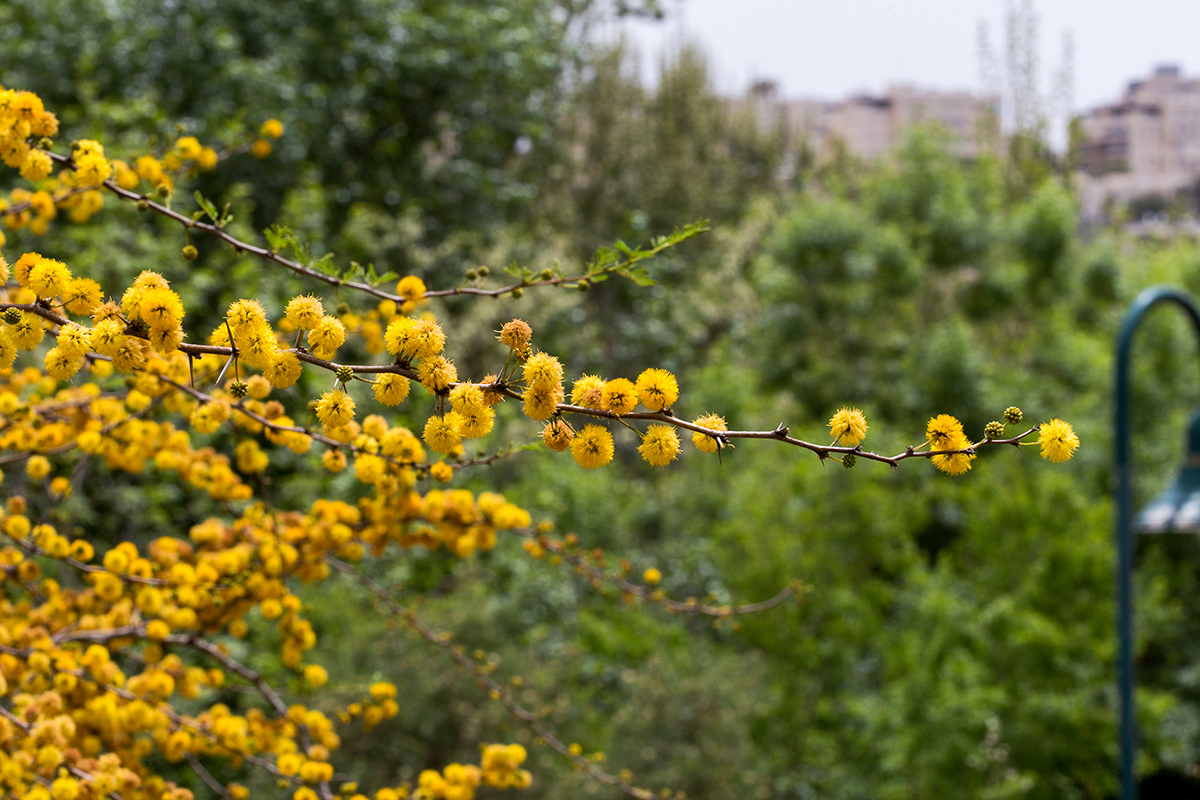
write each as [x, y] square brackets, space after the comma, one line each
[832, 48]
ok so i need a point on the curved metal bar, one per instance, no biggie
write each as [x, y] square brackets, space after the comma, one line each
[1126, 678]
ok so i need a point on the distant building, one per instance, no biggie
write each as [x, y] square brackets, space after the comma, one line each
[868, 126]
[1147, 143]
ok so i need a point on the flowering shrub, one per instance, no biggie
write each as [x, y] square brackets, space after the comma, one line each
[98, 649]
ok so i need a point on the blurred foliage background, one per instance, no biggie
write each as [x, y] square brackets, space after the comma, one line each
[956, 636]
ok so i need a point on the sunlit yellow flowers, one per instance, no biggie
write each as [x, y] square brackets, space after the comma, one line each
[335, 409]
[703, 442]
[660, 445]
[848, 427]
[657, 389]
[945, 432]
[592, 447]
[1058, 441]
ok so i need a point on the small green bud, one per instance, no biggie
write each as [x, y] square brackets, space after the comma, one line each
[239, 389]
[345, 374]
[546, 274]
[343, 309]
[483, 271]
[163, 190]
[1013, 415]
[189, 253]
[583, 286]
[13, 316]
[75, 145]
[46, 143]
[517, 292]
[472, 274]
[143, 205]
[848, 461]
[312, 406]
[993, 430]
[130, 381]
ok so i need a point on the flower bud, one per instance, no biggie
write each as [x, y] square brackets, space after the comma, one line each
[993, 430]
[239, 389]
[848, 461]
[1013, 415]
[345, 374]
[189, 253]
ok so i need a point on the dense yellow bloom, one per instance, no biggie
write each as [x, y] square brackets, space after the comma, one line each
[543, 370]
[326, 337]
[272, 129]
[437, 373]
[391, 389]
[516, 334]
[942, 430]
[848, 427]
[957, 463]
[82, 296]
[587, 391]
[592, 447]
[60, 365]
[660, 445]
[1058, 441]
[652, 576]
[36, 166]
[477, 422]
[442, 433]
[619, 396]
[557, 435]
[657, 389]
[541, 402]
[411, 288]
[305, 312]
[49, 278]
[283, 370]
[335, 409]
[315, 675]
[703, 442]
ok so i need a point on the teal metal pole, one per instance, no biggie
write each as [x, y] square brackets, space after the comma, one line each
[1126, 679]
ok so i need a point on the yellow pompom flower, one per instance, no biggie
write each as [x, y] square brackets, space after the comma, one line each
[49, 278]
[305, 312]
[557, 435]
[660, 445]
[441, 472]
[161, 308]
[36, 166]
[244, 315]
[60, 366]
[592, 447]
[466, 397]
[335, 409]
[619, 396]
[283, 370]
[391, 389]
[261, 148]
[1058, 441]
[542, 401]
[442, 433]
[543, 370]
[428, 339]
[74, 340]
[477, 422]
[334, 460]
[411, 288]
[91, 170]
[437, 373]
[188, 147]
[37, 467]
[315, 675]
[657, 389]
[652, 576]
[271, 129]
[516, 334]
[942, 430]
[326, 337]
[703, 442]
[848, 427]
[82, 296]
[587, 391]
[956, 463]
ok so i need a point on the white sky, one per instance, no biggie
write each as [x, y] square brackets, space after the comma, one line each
[829, 49]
